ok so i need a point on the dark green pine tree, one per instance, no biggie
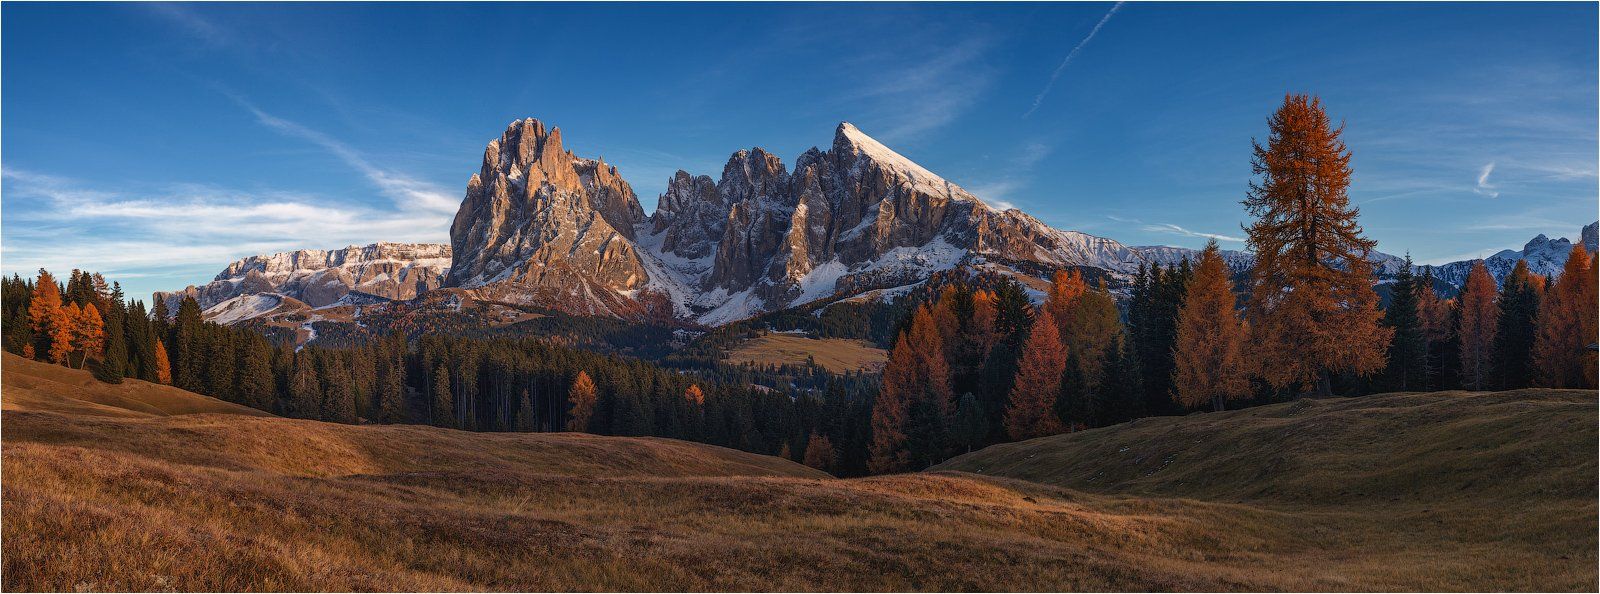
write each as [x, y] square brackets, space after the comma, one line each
[257, 388]
[113, 363]
[305, 388]
[141, 349]
[1407, 369]
[188, 348]
[391, 390]
[17, 325]
[1513, 340]
[1072, 403]
[338, 393]
[219, 364]
[1120, 395]
[442, 407]
[971, 428]
[1013, 320]
[925, 434]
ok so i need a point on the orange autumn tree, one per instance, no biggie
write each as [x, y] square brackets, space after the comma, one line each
[1209, 353]
[88, 334]
[44, 311]
[916, 374]
[162, 365]
[1031, 411]
[63, 327]
[695, 395]
[581, 401]
[1480, 318]
[819, 452]
[1312, 311]
[1566, 326]
[1093, 325]
[1066, 286]
[981, 327]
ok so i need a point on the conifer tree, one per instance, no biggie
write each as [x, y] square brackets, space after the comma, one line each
[581, 403]
[1437, 317]
[1209, 355]
[1031, 412]
[45, 312]
[971, 428]
[1563, 351]
[257, 388]
[819, 452]
[162, 366]
[392, 392]
[113, 365]
[1518, 323]
[890, 409]
[1312, 311]
[305, 388]
[1477, 326]
[88, 333]
[188, 346]
[219, 366]
[338, 391]
[1066, 287]
[1093, 327]
[1120, 394]
[1407, 369]
[694, 395]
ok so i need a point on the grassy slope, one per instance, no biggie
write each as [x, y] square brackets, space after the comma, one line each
[32, 385]
[1463, 490]
[228, 502]
[835, 354]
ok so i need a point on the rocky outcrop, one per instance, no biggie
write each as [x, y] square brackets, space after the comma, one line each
[398, 271]
[1544, 256]
[541, 226]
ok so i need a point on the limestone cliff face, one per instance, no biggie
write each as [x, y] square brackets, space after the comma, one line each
[398, 271]
[541, 226]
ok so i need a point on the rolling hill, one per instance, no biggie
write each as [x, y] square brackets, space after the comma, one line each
[216, 501]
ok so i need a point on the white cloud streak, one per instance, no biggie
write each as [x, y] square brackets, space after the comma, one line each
[406, 192]
[1484, 188]
[1176, 230]
[1039, 100]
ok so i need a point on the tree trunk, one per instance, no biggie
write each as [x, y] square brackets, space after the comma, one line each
[1324, 387]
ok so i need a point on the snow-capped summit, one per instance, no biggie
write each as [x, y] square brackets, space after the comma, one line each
[1544, 256]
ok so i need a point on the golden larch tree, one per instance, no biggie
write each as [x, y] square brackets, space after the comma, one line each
[1031, 411]
[819, 452]
[580, 402]
[981, 327]
[1312, 311]
[1480, 319]
[162, 365]
[88, 334]
[1066, 286]
[1566, 327]
[62, 330]
[694, 395]
[1093, 325]
[44, 312]
[1209, 353]
[887, 452]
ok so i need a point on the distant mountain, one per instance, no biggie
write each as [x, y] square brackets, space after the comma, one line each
[540, 228]
[318, 278]
[1544, 256]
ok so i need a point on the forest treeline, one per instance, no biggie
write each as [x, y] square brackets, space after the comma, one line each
[972, 360]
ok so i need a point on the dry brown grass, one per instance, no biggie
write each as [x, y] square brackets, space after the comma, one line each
[227, 502]
[835, 354]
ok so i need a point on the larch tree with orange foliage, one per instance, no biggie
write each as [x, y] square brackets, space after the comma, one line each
[1066, 286]
[1209, 354]
[911, 408]
[1562, 353]
[694, 395]
[162, 365]
[44, 312]
[88, 334]
[1476, 330]
[62, 330]
[1312, 311]
[819, 452]
[1031, 411]
[1093, 325]
[581, 402]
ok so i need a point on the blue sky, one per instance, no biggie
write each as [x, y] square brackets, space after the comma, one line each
[157, 142]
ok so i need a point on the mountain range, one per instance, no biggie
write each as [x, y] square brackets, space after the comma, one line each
[542, 227]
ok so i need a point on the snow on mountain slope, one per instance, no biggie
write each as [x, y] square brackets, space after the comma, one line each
[397, 271]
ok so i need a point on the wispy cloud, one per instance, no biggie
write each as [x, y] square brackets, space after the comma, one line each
[914, 97]
[1484, 188]
[194, 24]
[1176, 230]
[1039, 100]
[61, 223]
[404, 190]
[1012, 175]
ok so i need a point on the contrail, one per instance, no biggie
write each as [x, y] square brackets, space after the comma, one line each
[1057, 74]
